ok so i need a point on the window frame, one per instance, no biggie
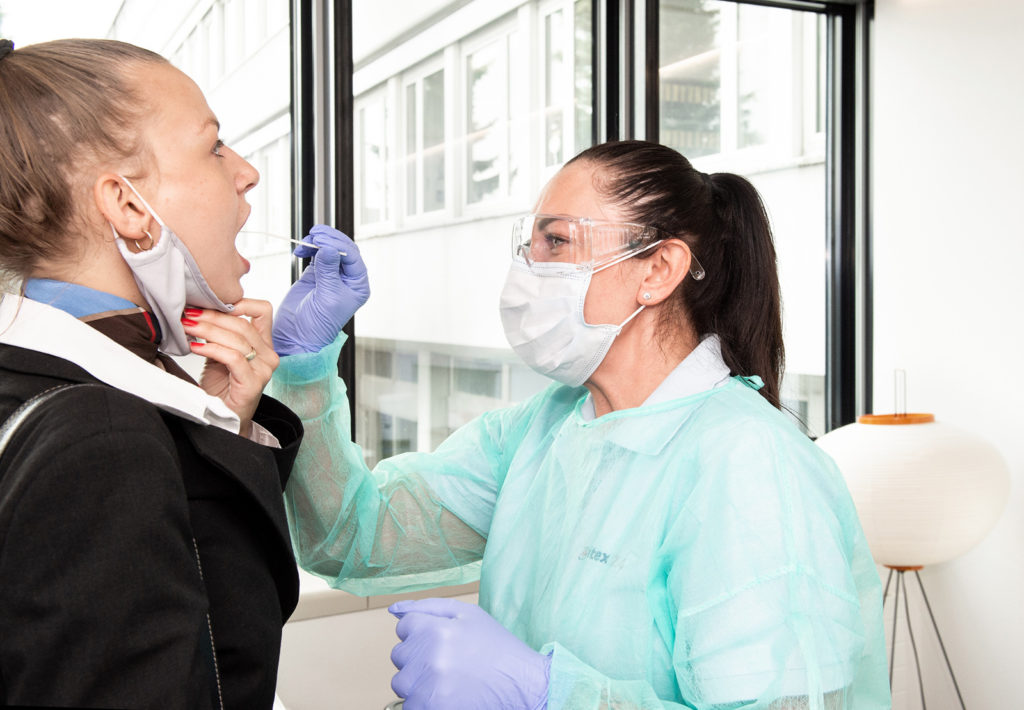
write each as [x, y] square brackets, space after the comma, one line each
[501, 32]
[566, 108]
[415, 77]
[378, 96]
[800, 147]
[625, 101]
[848, 343]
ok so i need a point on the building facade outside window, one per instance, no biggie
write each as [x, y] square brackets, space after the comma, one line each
[470, 111]
[426, 184]
[742, 90]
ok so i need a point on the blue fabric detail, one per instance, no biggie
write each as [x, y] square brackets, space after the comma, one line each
[75, 299]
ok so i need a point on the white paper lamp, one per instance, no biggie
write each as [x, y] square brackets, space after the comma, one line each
[925, 491]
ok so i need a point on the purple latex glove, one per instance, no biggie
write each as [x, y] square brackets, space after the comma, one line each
[325, 297]
[455, 656]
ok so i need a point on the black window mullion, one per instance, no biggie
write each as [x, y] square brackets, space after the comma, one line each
[867, 330]
[627, 64]
[652, 68]
[597, 94]
[609, 46]
[303, 163]
[344, 169]
[311, 74]
[840, 171]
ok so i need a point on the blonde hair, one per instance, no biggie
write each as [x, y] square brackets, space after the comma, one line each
[61, 103]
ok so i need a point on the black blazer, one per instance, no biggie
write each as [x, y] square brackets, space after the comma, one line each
[105, 502]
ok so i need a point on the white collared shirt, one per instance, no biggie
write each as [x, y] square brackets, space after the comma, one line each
[701, 370]
[36, 326]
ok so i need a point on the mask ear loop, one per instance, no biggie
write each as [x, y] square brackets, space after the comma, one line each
[631, 317]
[152, 212]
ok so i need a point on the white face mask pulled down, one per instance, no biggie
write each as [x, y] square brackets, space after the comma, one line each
[542, 313]
[169, 279]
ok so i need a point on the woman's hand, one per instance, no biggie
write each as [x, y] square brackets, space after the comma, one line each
[239, 357]
[325, 297]
[455, 655]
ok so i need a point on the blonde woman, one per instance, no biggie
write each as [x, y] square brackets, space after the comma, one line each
[145, 560]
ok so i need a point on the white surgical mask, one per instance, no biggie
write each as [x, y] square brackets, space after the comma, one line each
[542, 313]
[169, 279]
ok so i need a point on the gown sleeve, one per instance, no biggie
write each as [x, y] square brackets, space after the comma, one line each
[417, 520]
[763, 592]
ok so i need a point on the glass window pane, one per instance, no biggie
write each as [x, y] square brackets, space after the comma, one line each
[690, 76]
[820, 75]
[731, 101]
[411, 164]
[555, 90]
[216, 39]
[517, 163]
[478, 376]
[583, 74]
[371, 159]
[234, 13]
[487, 84]
[255, 15]
[433, 142]
[396, 434]
[765, 63]
[484, 108]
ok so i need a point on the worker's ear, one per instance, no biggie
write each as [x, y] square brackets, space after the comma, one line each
[666, 269]
[123, 209]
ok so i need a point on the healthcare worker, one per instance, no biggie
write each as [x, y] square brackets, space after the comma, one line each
[652, 531]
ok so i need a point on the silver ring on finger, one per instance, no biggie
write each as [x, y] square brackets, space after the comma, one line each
[251, 355]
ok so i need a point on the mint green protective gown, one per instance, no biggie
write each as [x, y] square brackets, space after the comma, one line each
[697, 553]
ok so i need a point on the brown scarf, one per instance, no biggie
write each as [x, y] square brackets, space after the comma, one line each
[137, 330]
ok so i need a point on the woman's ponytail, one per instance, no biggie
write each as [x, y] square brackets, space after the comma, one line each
[722, 219]
[745, 310]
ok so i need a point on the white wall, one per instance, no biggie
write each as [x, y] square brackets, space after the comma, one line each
[949, 248]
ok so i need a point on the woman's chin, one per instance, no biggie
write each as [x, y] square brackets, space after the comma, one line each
[231, 295]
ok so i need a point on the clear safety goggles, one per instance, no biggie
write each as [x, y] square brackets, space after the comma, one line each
[588, 243]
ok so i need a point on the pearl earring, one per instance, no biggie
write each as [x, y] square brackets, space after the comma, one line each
[647, 296]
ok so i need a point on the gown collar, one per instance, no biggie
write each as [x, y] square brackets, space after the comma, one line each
[703, 369]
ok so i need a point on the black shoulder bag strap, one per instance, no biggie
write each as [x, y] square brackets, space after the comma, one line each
[7, 431]
[24, 411]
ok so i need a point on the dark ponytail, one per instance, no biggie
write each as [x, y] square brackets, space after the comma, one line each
[723, 221]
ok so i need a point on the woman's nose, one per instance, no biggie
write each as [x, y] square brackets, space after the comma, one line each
[246, 176]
